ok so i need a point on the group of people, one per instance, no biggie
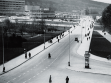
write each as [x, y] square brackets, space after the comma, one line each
[28, 54]
[49, 55]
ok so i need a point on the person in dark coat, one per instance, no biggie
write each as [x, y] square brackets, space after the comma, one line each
[29, 55]
[50, 80]
[3, 69]
[58, 40]
[26, 55]
[67, 79]
[49, 55]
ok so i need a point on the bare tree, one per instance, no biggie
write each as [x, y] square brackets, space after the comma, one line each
[7, 26]
[42, 25]
[22, 28]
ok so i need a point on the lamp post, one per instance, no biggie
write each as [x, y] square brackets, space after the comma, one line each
[69, 49]
[44, 38]
[3, 48]
[85, 28]
[81, 34]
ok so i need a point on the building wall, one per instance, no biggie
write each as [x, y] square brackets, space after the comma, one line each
[37, 12]
[10, 7]
[33, 11]
[47, 13]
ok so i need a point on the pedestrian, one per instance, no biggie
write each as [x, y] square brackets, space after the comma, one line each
[58, 40]
[87, 38]
[26, 55]
[49, 55]
[50, 80]
[3, 69]
[57, 37]
[29, 55]
[67, 79]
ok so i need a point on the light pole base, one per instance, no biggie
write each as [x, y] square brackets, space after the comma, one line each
[68, 63]
[87, 66]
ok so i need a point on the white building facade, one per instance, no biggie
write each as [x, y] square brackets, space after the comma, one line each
[33, 11]
[12, 7]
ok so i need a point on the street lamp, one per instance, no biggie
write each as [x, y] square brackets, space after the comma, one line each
[81, 34]
[3, 48]
[85, 27]
[44, 38]
[69, 49]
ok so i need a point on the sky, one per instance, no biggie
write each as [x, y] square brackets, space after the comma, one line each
[105, 1]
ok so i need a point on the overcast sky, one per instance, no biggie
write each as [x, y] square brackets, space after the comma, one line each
[105, 1]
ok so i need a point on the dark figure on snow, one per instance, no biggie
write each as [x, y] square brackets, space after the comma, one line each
[58, 40]
[3, 69]
[26, 55]
[29, 55]
[67, 79]
[50, 80]
[49, 55]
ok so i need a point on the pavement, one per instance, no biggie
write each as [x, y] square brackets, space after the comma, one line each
[84, 46]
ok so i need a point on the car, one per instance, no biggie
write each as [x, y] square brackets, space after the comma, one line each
[76, 39]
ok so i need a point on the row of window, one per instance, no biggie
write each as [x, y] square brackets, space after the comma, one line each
[7, 7]
[6, 12]
[11, 10]
[11, 4]
[19, 1]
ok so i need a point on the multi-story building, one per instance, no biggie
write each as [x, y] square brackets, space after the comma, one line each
[12, 7]
[37, 12]
[33, 11]
[47, 13]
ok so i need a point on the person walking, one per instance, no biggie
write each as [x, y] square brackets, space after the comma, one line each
[67, 79]
[50, 80]
[49, 55]
[26, 55]
[58, 40]
[29, 55]
[3, 69]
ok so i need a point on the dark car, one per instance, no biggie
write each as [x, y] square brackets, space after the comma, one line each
[76, 39]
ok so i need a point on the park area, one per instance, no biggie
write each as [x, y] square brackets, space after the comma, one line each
[99, 45]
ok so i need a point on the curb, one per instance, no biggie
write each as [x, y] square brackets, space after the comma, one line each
[91, 72]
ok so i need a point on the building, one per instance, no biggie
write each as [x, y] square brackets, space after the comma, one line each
[37, 12]
[33, 11]
[12, 7]
[47, 13]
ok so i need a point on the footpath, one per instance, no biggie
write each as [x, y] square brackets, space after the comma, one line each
[96, 69]
[14, 63]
